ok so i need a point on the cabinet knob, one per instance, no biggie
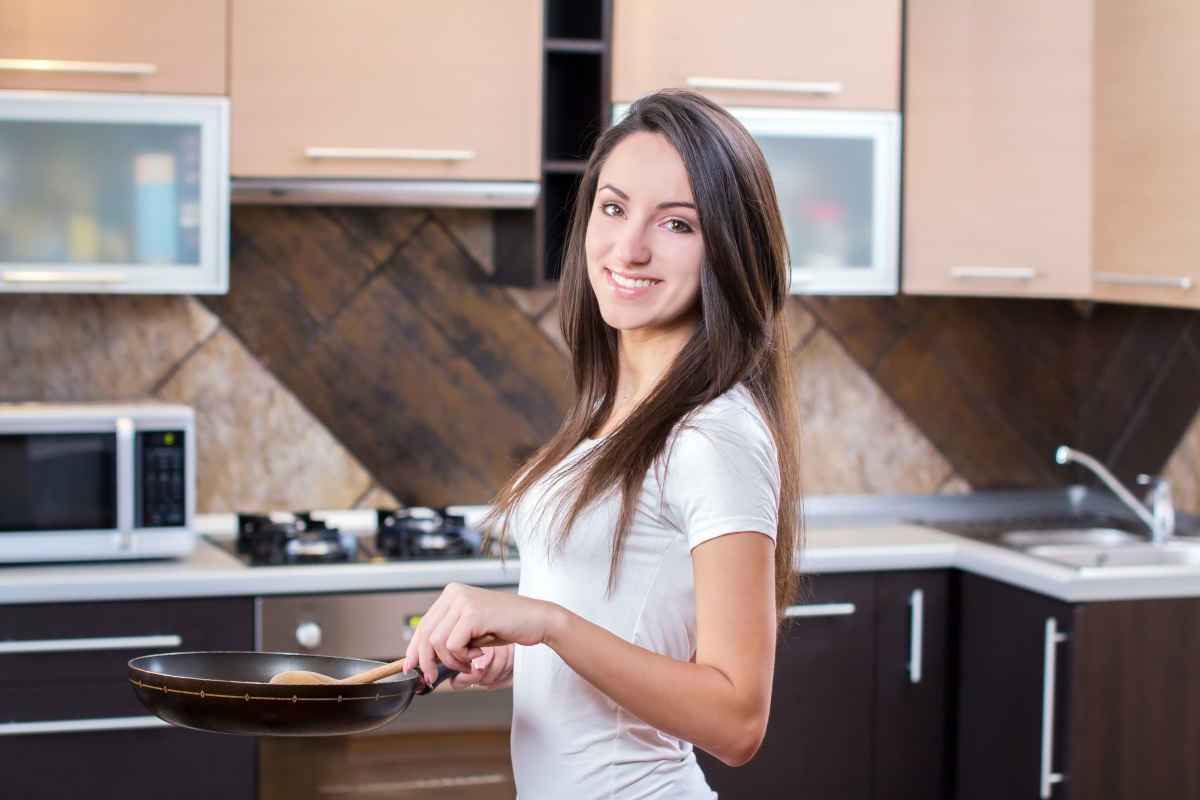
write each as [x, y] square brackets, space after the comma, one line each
[308, 634]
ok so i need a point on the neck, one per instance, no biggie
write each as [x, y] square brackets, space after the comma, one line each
[644, 357]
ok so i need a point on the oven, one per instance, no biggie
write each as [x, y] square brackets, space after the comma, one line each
[448, 744]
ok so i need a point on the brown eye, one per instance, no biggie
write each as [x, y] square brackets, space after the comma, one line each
[604, 207]
[683, 226]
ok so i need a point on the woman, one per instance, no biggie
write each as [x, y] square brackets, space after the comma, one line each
[658, 528]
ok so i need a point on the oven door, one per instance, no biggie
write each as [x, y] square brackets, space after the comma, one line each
[446, 745]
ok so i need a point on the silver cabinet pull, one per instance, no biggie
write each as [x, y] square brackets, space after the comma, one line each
[916, 606]
[50, 276]
[80, 645]
[820, 610]
[1049, 669]
[452, 782]
[389, 153]
[753, 85]
[80, 725]
[87, 67]
[1159, 281]
[1002, 273]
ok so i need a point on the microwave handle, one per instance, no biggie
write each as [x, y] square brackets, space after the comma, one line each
[125, 483]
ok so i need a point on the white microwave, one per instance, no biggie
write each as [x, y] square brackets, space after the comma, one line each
[96, 481]
[113, 193]
[837, 179]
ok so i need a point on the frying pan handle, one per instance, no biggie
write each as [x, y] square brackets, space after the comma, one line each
[444, 672]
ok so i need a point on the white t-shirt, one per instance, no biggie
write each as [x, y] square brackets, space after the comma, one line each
[569, 739]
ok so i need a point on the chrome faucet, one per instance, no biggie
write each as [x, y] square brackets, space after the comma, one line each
[1160, 517]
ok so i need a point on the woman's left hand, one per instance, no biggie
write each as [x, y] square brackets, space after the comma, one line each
[462, 613]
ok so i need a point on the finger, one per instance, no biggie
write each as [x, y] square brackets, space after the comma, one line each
[459, 637]
[437, 639]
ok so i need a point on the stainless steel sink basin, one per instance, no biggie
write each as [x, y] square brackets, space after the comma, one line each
[1141, 554]
[1098, 537]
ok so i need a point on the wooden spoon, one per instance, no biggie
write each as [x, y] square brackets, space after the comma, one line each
[303, 677]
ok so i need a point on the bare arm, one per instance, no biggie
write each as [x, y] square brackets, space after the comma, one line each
[721, 701]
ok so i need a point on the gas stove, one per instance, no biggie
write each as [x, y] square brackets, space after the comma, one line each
[365, 536]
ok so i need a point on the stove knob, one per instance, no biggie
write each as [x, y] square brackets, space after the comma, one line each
[308, 634]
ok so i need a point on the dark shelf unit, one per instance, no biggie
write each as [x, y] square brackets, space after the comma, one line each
[576, 106]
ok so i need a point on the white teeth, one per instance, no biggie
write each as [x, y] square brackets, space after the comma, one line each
[631, 283]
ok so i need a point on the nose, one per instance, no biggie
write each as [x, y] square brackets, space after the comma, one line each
[631, 246]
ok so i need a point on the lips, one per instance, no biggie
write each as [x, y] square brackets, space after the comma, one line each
[629, 286]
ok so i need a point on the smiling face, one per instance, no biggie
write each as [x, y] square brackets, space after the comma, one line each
[643, 243]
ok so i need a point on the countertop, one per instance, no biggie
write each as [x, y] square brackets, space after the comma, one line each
[843, 535]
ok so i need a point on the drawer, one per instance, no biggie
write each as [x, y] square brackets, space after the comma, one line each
[93, 642]
[161, 762]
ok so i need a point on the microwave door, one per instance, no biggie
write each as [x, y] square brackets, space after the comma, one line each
[125, 479]
[58, 480]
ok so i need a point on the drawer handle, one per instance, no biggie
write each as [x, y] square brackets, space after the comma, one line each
[87, 67]
[389, 153]
[81, 725]
[820, 610]
[1159, 281]
[379, 787]
[754, 85]
[49, 276]
[1002, 273]
[1048, 776]
[916, 634]
[79, 645]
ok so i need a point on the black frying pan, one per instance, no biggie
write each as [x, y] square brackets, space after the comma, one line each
[230, 692]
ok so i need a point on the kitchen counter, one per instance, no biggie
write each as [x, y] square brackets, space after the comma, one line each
[837, 541]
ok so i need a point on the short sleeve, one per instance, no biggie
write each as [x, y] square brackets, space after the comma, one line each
[722, 476]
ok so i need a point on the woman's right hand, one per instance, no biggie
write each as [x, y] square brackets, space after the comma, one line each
[492, 670]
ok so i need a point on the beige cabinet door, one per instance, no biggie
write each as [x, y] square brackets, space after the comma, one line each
[997, 153]
[398, 89]
[163, 46]
[800, 53]
[1147, 180]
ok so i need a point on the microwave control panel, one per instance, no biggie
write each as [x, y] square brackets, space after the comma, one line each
[161, 465]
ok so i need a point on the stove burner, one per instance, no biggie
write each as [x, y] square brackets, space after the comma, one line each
[292, 539]
[421, 532]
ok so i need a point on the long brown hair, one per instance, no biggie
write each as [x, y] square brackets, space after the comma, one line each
[741, 336]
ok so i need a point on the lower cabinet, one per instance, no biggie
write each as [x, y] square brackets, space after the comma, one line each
[70, 725]
[1091, 701]
[858, 707]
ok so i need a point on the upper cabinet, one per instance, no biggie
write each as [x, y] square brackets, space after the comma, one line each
[804, 53]
[402, 89]
[163, 46]
[997, 189]
[1046, 154]
[1147, 179]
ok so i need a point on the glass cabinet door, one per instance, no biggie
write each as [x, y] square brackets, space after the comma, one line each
[113, 193]
[836, 175]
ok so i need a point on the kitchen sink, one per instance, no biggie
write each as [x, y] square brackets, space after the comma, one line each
[1140, 554]
[1098, 537]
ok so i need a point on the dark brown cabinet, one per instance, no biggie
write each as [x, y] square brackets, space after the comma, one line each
[70, 725]
[1087, 701]
[858, 707]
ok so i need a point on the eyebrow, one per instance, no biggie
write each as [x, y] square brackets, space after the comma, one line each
[670, 204]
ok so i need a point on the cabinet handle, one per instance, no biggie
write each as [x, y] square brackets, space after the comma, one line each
[389, 153]
[1048, 777]
[79, 645]
[1160, 281]
[81, 725]
[49, 276]
[752, 85]
[819, 610]
[451, 782]
[88, 67]
[1003, 273]
[916, 606]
